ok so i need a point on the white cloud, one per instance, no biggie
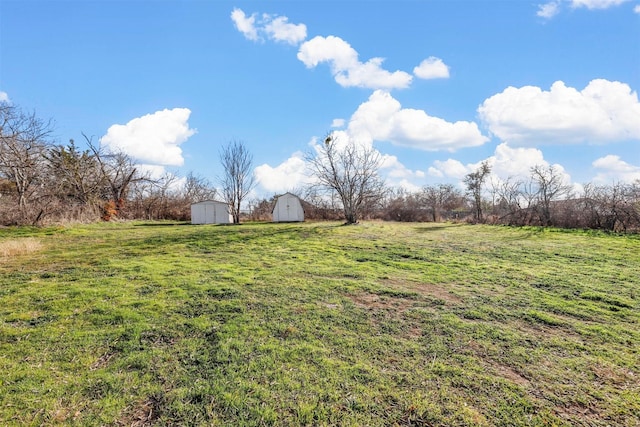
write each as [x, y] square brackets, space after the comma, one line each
[290, 174]
[397, 175]
[279, 29]
[515, 162]
[548, 10]
[293, 172]
[506, 162]
[346, 68]
[245, 24]
[407, 185]
[382, 118]
[395, 169]
[4, 97]
[596, 4]
[152, 171]
[603, 112]
[432, 68]
[434, 171]
[612, 168]
[449, 168]
[274, 27]
[337, 123]
[552, 8]
[153, 139]
[636, 9]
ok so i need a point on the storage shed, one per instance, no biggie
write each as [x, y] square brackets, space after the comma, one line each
[210, 212]
[288, 209]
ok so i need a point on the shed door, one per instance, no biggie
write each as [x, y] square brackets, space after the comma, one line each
[285, 209]
[211, 214]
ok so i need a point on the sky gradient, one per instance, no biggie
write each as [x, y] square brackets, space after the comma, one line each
[435, 86]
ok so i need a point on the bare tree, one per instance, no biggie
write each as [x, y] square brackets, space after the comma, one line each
[514, 201]
[617, 207]
[238, 179]
[550, 186]
[261, 209]
[197, 189]
[402, 205]
[24, 139]
[317, 205]
[155, 198]
[118, 172]
[350, 171]
[474, 182]
[440, 197]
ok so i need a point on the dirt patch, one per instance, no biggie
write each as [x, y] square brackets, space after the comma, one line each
[403, 295]
[386, 311]
[438, 292]
[578, 414]
[613, 375]
[542, 332]
[510, 374]
[415, 331]
[377, 302]
[426, 289]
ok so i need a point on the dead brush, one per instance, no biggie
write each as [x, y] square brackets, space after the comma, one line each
[15, 247]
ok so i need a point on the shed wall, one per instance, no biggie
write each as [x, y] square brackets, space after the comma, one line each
[210, 213]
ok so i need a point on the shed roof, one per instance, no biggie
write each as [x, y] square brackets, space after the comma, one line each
[205, 202]
[282, 195]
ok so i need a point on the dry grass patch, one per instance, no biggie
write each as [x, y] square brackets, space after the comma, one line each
[15, 247]
[142, 414]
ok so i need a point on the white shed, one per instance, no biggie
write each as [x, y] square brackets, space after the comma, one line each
[288, 209]
[210, 212]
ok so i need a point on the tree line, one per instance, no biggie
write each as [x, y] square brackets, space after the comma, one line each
[540, 200]
[348, 187]
[43, 182]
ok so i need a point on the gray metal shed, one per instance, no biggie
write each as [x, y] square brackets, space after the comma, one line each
[210, 212]
[288, 209]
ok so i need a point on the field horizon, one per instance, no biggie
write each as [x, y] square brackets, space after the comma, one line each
[316, 323]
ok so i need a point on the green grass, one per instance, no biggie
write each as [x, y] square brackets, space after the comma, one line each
[378, 324]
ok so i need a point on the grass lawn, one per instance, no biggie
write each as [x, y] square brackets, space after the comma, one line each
[379, 324]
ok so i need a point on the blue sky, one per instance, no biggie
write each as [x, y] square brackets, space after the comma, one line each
[435, 86]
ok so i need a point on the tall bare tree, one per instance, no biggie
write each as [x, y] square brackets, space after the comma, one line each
[24, 140]
[351, 171]
[237, 180]
[550, 186]
[475, 182]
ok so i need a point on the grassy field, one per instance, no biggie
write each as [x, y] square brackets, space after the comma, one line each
[379, 324]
